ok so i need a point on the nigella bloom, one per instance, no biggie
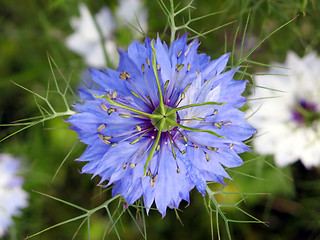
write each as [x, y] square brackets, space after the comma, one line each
[12, 196]
[163, 123]
[289, 112]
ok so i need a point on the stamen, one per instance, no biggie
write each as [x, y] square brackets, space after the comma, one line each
[227, 123]
[113, 144]
[179, 67]
[214, 149]
[165, 89]
[185, 54]
[152, 105]
[132, 165]
[149, 173]
[188, 67]
[192, 119]
[138, 128]
[197, 72]
[194, 145]
[231, 146]
[110, 110]
[207, 157]
[172, 148]
[143, 68]
[182, 96]
[215, 112]
[183, 136]
[101, 127]
[114, 94]
[109, 95]
[124, 166]
[158, 67]
[104, 138]
[123, 75]
[179, 53]
[178, 170]
[155, 177]
[148, 61]
[153, 180]
[217, 125]
[104, 107]
[166, 85]
[136, 95]
[136, 140]
[125, 116]
[185, 139]
[128, 75]
[158, 147]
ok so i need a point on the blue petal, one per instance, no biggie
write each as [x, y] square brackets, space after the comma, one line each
[215, 67]
[171, 187]
[110, 81]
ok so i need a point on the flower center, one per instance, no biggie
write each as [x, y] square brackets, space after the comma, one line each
[166, 120]
[305, 113]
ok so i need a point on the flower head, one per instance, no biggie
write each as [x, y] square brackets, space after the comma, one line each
[12, 197]
[163, 123]
[289, 116]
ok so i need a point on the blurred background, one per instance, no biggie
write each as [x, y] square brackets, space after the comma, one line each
[30, 30]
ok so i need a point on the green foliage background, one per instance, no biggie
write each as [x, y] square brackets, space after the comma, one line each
[29, 29]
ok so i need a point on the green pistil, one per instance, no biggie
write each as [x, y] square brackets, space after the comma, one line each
[194, 129]
[150, 155]
[166, 120]
[114, 103]
[195, 105]
[155, 70]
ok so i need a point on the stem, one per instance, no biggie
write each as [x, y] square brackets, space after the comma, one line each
[172, 22]
[154, 66]
[102, 40]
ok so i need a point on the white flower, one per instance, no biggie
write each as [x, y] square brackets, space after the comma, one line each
[132, 13]
[86, 40]
[287, 113]
[12, 197]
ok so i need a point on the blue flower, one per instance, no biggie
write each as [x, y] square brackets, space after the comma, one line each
[163, 123]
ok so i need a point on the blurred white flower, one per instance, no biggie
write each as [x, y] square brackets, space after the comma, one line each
[132, 13]
[288, 111]
[12, 197]
[86, 40]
